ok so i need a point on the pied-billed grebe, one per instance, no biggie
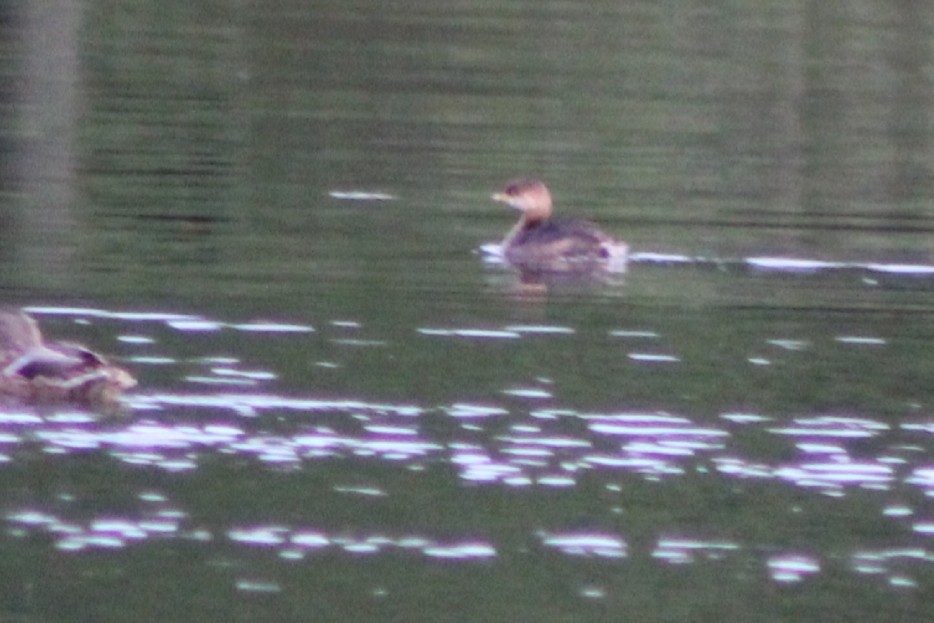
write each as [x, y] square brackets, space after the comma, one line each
[539, 239]
[34, 371]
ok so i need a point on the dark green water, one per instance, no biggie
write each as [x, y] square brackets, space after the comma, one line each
[271, 214]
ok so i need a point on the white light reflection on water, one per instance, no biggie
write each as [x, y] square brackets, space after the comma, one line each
[239, 403]
[528, 392]
[880, 562]
[829, 475]
[272, 327]
[541, 329]
[654, 358]
[832, 426]
[476, 465]
[660, 427]
[788, 568]
[251, 375]
[793, 264]
[685, 550]
[488, 445]
[745, 418]
[924, 478]
[220, 380]
[360, 195]
[295, 543]
[860, 340]
[468, 411]
[630, 334]
[101, 532]
[593, 592]
[89, 312]
[195, 325]
[135, 339]
[600, 545]
[365, 491]
[263, 535]
[897, 511]
[497, 334]
[258, 586]
[535, 451]
[179, 322]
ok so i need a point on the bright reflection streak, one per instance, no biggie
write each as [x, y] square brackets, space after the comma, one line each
[879, 562]
[656, 431]
[100, 532]
[253, 586]
[841, 427]
[310, 540]
[366, 491]
[901, 269]
[257, 375]
[495, 334]
[821, 448]
[860, 340]
[233, 382]
[360, 195]
[195, 325]
[541, 329]
[685, 550]
[119, 532]
[266, 535]
[654, 358]
[135, 339]
[792, 567]
[647, 257]
[790, 344]
[593, 592]
[272, 327]
[745, 418]
[468, 411]
[585, 544]
[528, 392]
[461, 551]
[831, 474]
[239, 402]
[790, 264]
[88, 312]
[897, 511]
[625, 333]
[924, 478]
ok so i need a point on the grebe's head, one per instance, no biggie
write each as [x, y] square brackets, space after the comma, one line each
[529, 196]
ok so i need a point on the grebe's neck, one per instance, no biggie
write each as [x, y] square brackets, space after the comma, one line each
[524, 223]
[537, 211]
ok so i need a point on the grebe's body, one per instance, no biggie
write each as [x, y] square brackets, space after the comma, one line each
[540, 240]
[33, 371]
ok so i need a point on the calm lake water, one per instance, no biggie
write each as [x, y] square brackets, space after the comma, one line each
[271, 214]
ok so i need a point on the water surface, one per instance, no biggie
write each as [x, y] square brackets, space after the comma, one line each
[272, 216]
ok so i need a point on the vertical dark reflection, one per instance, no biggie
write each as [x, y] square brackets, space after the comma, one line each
[38, 177]
[7, 138]
[909, 119]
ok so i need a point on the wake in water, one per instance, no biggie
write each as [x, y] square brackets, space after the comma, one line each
[785, 264]
[492, 254]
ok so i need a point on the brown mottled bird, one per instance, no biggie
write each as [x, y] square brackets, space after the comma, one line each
[34, 371]
[541, 239]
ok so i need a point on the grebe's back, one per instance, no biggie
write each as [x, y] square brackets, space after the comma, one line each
[538, 238]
